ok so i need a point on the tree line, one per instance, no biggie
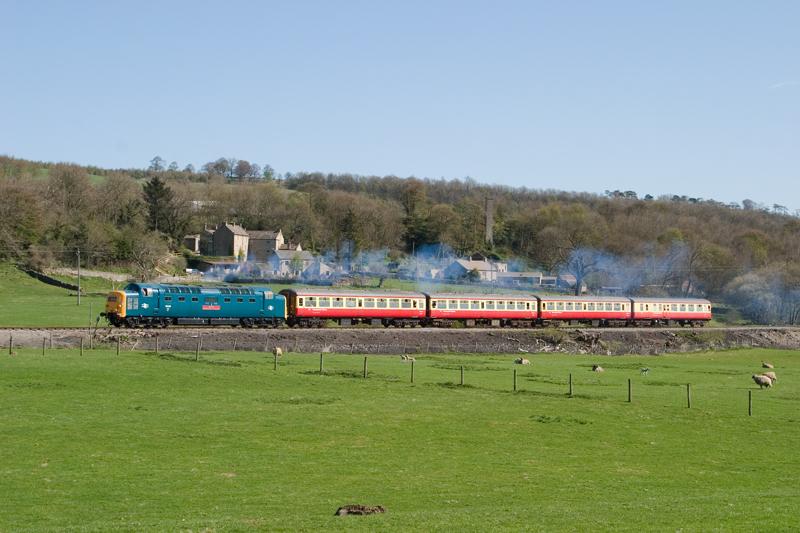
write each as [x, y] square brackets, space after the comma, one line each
[747, 255]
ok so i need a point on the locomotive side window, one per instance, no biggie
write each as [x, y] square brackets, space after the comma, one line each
[381, 304]
[167, 298]
[181, 298]
[239, 300]
[226, 300]
[209, 300]
[195, 298]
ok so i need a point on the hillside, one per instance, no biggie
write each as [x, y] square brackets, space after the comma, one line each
[744, 254]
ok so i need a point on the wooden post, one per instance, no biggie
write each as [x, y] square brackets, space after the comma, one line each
[749, 403]
[515, 380]
[156, 343]
[44, 344]
[412, 371]
[81, 346]
[266, 345]
[234, 344]
[10, 343]
[91, 341]
[688, 396]
[365, 367]
[118, 343]
[629, 390]
[570, 384]
[321, 363]
[275, 361]
[462, 374]
[197, 349]
[51, 341]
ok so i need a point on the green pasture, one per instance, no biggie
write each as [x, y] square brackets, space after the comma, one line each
[146, 442]
[26, 301]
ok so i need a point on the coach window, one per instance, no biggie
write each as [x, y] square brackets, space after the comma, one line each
[463, 304]
[453, 304]
[501, 305]
[590, 306]
[674, 307]
[544, 305]
[691, 308]
[406, 303]
[683, 307]
[474, 304]
[490, 305]
[559, 306]
[324, 301]
[301, 302]
[569, 306]
[311, 301]
[350, 302]
[608, 307]
[369, 302]
[617, 307]
[521, 306]
[338, 302]
[434, 304]
[394, 303]
[381, 303]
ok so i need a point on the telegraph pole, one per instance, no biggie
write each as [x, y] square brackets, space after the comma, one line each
[78, 251]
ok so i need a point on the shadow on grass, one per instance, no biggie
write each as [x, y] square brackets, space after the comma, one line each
[191, 359]
[352, 374]
[546, 419]
[299, 400]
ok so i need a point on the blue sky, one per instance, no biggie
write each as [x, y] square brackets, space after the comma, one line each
[700, 98]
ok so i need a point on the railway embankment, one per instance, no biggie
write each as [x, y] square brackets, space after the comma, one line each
[604, 341]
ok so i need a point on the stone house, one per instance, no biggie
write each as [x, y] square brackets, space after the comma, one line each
[288, 263]
[487, 270]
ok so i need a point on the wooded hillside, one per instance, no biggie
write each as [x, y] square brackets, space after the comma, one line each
[746, 254]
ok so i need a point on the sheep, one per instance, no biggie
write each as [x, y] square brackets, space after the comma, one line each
[407, 358]
[277, 351]
[598, 368]
[762, 381]
[771, 375]
[767, 365]
[359, 510]
[521, 361]
[644, 371]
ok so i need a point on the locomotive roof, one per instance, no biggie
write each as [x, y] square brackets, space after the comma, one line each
[636, 299]
[332, 293]
[164, 287]
[477, 296]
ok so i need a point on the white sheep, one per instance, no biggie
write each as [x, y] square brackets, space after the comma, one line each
[771, 375]
[521, 361]
[762, 381]
[598, 368]
[767, 365]
[407, 358]
[277, 351]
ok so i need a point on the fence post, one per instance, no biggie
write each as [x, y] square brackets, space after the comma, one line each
[197, 349]
[234, 344]
[156, 343]
[570, 383]
[51, 341]
[118, 343]
[688, 396]
[412, 371]
[81, 346]
[10, 343]
[44, 344]
[275, 360]
[91, 340]
[515, 380]
[321, 363]
[629, 390]
[749, 403]
[365, 367]
[462, 374]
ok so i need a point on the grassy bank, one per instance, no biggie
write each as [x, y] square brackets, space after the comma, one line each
[145, 442]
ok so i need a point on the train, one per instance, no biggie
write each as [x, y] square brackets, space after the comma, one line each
[162, 305]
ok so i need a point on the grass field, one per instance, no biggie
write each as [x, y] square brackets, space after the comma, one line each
[24, 300]
[143, 442]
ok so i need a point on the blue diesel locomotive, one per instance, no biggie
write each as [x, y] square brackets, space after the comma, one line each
[161, 305]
